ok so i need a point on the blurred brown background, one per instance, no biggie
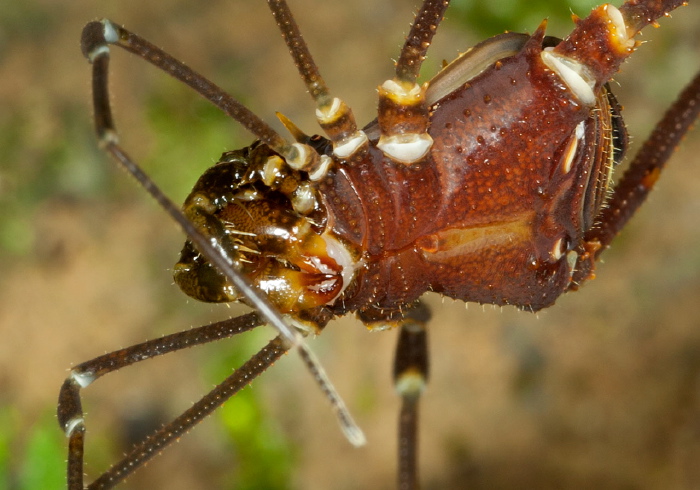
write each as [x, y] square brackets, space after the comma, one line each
[601, 390]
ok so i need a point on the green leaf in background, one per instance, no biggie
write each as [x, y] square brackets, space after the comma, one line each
[30, 459]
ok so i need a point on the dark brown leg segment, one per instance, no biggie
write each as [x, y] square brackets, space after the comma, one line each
[70, 414]
[419, 39]
[410, 377]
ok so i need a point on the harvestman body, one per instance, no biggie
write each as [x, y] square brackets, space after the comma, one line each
[490, 183]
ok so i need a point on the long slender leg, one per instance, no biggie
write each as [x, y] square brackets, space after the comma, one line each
[334, 116]
[98, 36]
[299, 50]
[95, 45]
[70, 414]
[154, 444]
[410, 377]
[419, 38]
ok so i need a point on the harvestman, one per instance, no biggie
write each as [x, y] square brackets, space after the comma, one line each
[488, 184]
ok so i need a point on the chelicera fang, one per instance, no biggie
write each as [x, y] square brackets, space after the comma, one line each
[490, 184]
